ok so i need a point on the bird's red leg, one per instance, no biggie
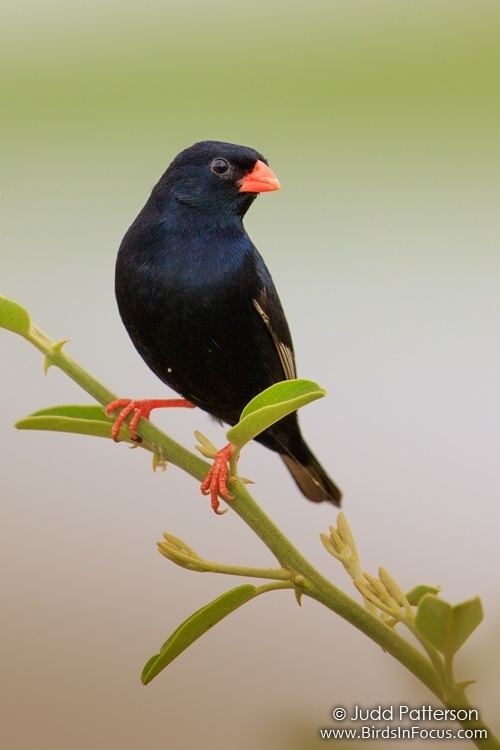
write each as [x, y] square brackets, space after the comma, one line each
[139, 410]
[215, 483]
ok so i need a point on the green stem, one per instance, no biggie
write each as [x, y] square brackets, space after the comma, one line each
[199, 565]
[448, 671]
[151, 435]
[273, 587]
[431, 652]
[276, 574]
[319, 588]
[489, 742]
[306, 577]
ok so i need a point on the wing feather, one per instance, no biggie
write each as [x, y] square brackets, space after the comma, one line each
[285, 352]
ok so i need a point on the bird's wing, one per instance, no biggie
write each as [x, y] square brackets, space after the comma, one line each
[272, 315]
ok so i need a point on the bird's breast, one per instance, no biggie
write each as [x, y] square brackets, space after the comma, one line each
[187, 306]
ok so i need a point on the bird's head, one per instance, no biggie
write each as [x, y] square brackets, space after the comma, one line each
[218, 178]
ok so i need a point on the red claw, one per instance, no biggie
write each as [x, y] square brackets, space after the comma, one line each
[139, 410]
[215, 483]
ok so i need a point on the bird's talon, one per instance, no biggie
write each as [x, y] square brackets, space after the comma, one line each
[139, 410]
[215, 482]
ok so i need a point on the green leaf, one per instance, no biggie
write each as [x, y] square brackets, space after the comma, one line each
[77, 411]
[445, 626]
[467, 616]
[434, 621]
[416, 594]
[13, 317]
[81, 419]
[194, 627]
[270, 406]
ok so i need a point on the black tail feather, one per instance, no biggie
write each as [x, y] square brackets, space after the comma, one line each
[312, 480]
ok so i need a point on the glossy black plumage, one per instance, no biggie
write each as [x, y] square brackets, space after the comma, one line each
[200, 305]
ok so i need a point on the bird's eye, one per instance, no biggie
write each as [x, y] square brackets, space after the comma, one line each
[219, 166]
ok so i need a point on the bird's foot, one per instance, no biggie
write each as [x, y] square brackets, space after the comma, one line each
[139, 410]
[215, 483]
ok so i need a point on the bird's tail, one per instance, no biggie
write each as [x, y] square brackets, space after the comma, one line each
[312, 479]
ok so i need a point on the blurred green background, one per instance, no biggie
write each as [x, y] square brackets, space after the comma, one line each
[381, 120]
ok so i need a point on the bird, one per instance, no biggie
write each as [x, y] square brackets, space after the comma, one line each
[201, 308]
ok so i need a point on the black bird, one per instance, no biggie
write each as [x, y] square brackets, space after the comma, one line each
[201, 308]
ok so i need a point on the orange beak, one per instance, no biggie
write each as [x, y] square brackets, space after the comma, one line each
[260, 180]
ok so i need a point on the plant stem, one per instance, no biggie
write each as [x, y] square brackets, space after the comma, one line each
[305, 577]
[490, 742]
[275, 574]
[431, 652]
[279, 585]
[151, 435]
[319, 588]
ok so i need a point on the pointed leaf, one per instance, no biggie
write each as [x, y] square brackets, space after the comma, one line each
[13, 317]
[81, 419]
[78, 411]
[416, 594]
[270, 406]
[194, 627]
[467, 616]
[282, 391]
[447, 627]
[95, 427]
